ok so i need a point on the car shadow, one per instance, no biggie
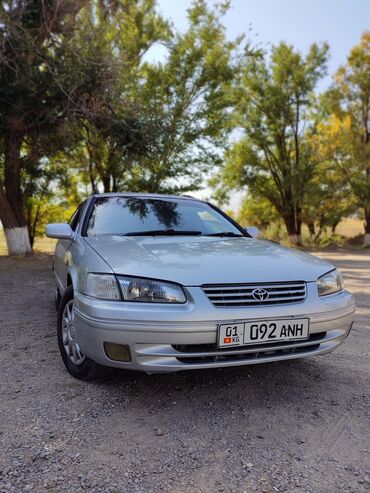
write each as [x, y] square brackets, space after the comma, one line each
[265, 383]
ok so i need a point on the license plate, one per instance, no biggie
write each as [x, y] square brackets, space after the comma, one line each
[262, 331]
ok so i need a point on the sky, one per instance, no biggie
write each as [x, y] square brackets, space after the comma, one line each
[298, 22]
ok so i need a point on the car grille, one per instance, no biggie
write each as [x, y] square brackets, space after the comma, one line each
[256, 294]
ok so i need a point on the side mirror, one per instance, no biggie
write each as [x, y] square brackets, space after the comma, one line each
[61, 231]
[253, 231]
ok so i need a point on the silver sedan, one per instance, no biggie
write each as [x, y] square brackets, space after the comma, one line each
[165, 283]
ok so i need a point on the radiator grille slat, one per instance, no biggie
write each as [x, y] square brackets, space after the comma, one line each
[243, 294]
[248, 287]
[256, 294]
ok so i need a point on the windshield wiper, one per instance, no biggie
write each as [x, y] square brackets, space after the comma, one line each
[225, 234]
[163, 232]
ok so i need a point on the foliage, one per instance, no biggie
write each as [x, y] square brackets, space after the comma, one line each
[50, 196]
[116, 130]
[329, 197]
[78, 91]
[344, 136]
[167, 122]
[38, 95]
[273, 158]
[257, 212]
[84, 108]
[192, 93]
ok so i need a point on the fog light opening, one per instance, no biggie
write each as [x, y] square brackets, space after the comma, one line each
[117, 352]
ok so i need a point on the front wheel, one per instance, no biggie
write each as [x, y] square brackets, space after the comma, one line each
[78, 365]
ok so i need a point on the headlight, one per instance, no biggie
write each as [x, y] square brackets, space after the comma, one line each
[102, 286]
[329, 283]
[150, 291]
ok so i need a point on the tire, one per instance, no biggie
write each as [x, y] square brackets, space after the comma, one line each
[77, 364]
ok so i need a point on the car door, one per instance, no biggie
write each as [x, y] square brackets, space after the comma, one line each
[61, 252]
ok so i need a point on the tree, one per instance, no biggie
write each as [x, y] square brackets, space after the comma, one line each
[328, 200]
[117, 129]
[329, 197]
[257, 211]
[163, 123]
[34, 97]
[47, 85]
[77, 92]
[273, 158]
[51, 193]
[191, 93]
[345, 136]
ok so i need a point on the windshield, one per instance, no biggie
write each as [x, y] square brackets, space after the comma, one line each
[141, 216]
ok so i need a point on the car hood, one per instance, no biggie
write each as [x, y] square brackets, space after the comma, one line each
[193, 261]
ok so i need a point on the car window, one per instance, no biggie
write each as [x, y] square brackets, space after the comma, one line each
[125, 215]
[75, 218]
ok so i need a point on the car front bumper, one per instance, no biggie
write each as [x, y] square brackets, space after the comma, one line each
[167, 338]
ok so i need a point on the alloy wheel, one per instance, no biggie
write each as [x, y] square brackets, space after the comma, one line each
[71, 347]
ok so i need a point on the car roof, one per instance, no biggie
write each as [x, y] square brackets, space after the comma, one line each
[146, 195]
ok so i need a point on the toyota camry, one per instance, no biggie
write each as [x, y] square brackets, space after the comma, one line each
[163, 283]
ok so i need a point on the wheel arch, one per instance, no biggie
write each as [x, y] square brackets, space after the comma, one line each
[69, 280]
[72, 278]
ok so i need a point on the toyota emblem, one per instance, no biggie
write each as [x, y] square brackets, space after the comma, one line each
[260, 294]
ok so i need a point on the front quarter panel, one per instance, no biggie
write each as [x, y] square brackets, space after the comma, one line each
[81, 260]
[59, 263]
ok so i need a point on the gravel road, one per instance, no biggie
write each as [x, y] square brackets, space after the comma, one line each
[296, 426]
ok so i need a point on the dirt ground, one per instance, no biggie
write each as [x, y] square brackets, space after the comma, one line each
[297, 426]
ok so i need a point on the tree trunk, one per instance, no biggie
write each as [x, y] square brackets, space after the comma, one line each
[294, 227]
[12, 212]
[115, 183]
[32, 223]
[16, 235]
[94, 188]
[106, 183]
[334, 226]
[295, 239]
[367, 228]
[311, 228]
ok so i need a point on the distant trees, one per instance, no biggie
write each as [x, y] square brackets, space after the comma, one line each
[162, 125]
[344, 132]
[192, 95]
[257, 211]
[308, 156]
[273, 158]
[328, 196]
[117, 128]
